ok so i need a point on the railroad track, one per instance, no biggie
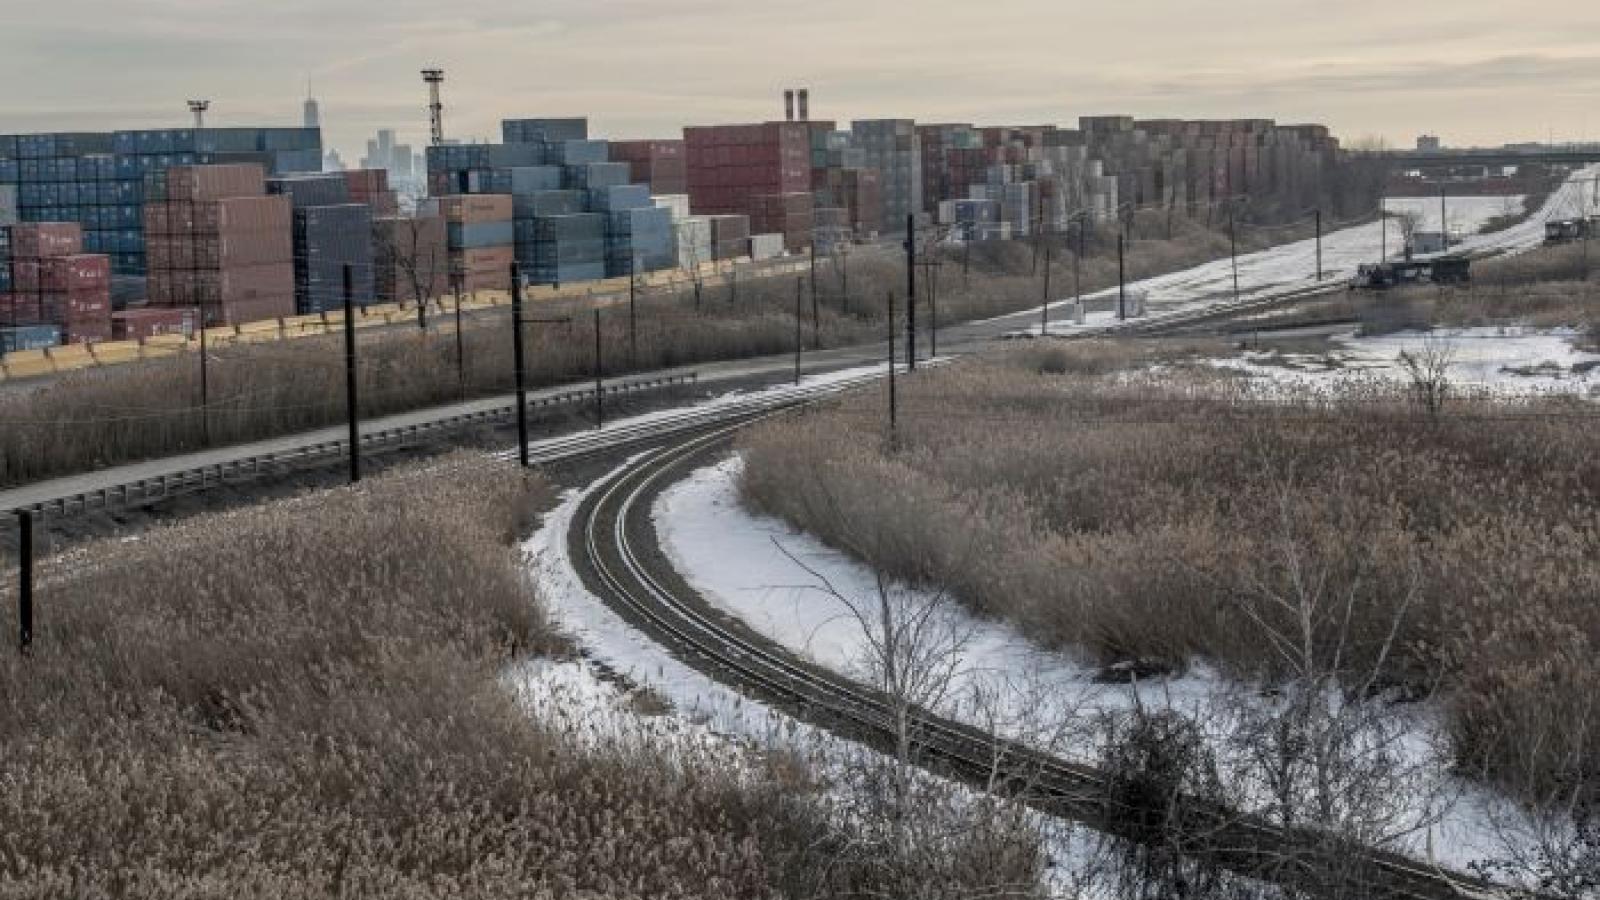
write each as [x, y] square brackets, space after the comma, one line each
[613, 543]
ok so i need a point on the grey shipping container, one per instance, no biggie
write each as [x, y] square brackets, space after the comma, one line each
[506, 156]
[480, 235]
[540, 204]
[621, 196]
[590, 176]
[311, 190]
[327, 239]
[544, 131]
[533, 179]
[573, 153]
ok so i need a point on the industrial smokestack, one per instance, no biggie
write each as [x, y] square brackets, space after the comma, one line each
[788, 106]
[805, 104]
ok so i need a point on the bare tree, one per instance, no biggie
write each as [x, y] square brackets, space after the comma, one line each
[410, 259]
[1428, 368]
[1410, 222]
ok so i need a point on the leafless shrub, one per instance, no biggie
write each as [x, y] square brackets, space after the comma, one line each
[1428, 367]
[95, 418]
[1143, 519]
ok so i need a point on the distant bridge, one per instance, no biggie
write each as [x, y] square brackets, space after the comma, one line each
[1444, 159]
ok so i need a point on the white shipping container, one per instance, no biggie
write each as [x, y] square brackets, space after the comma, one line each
[766, 246]
[678, 203]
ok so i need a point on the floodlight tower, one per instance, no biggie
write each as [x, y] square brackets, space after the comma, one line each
[434, 78]
[199, 107]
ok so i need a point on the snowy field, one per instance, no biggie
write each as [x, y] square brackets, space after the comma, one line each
[783, 583]
[1293, 266]
[594, 697]
[1510, 361]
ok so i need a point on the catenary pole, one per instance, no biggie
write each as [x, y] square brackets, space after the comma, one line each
[519, 371]
[352, 413]
[911, 292]
[25, 584]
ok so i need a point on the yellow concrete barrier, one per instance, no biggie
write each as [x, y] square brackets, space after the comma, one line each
[113, 353]
[27, 364]
[164, 345]
[296, 326]
[71, 356]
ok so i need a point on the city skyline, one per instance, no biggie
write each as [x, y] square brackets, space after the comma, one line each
[637, 70]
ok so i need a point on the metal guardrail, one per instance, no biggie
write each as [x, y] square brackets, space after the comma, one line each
[200, 478]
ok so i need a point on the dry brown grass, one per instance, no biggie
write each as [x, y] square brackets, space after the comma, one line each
[1134, 517]
[94, 419]
[302, 701]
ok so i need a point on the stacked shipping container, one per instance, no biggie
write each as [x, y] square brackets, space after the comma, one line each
[222, 244]
[54, 284]
[731, 166]
[658, 164]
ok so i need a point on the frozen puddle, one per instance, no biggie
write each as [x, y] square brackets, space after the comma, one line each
[1501, 361]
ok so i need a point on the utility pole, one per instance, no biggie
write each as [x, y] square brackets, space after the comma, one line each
[1044, 311]
[799, 295]
[966, 260]
[933, 308]
[205, 384]
[599, 379]
[461, 350]
[518, 369]
[25, 585]
[1444, 222]
[1233, 250]
[911, 292]
[633, 315]
[893, 327]
[816, 312]
[1319, 245]
[351, 412]
[1383, 217]
[1122, 279]
[1077, 269]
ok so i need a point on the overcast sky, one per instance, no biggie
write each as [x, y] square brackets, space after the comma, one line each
[1474, 71]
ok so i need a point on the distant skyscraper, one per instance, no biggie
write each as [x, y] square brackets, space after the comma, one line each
[313, 113]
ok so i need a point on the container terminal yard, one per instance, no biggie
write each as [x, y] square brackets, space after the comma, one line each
[121, 245]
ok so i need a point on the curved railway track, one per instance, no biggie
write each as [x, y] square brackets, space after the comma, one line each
[613, 543]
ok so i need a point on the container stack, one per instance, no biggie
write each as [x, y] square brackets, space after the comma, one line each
[693, 234]
[833, 228]
[892, 147]
[370, 187]
[331, 233]
[411, 258]
[569, 248]
[54, 284]
[479, 236]
[222, 244]
[790, 215]
[102, 180]
[658, 164]
[730, 236]
[639, 239]
[154, 321]
[730, 165]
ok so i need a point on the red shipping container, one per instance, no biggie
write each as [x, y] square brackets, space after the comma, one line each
[473, 209]
[75, 274]
[40, 239]
[258, 309]
[148, 322]
[26, 275]
[241, 214]
[216, 182]
[238, 283]
[86, 332]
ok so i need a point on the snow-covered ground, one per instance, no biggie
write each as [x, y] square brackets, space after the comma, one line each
[1293, 266]
[1509, 361]
[783, 583]
[594, 697]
